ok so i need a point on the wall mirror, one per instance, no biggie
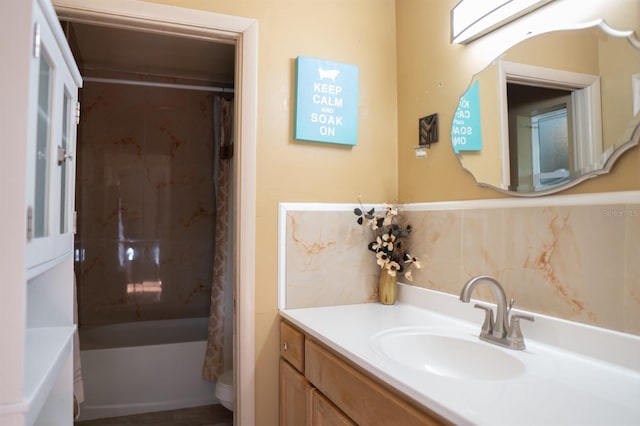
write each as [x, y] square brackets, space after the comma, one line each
[554, 110]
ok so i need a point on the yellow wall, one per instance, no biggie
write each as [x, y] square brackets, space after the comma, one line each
[433, 73]
[359, 32]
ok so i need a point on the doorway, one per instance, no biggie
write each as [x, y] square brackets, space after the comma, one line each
[541, 141]
[547, 89]
[181, 22]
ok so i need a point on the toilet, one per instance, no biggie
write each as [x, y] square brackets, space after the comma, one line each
[224, 390]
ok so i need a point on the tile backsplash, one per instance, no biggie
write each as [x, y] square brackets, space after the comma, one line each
[576, 259]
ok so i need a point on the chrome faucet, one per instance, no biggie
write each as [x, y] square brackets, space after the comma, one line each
[499, 330]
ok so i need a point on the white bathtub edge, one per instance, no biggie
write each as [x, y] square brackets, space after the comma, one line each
[139, 379]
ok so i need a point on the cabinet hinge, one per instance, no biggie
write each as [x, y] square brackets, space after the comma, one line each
[29, 223]
[77, 113]
[36, 40]
[75, 222]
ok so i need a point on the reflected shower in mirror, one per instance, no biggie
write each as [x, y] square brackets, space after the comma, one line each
[556, 109]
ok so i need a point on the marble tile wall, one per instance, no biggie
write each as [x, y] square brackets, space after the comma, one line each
[327, 261]
[577, 262]
[145, 203]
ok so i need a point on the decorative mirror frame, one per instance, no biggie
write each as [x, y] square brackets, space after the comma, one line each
[510, 74]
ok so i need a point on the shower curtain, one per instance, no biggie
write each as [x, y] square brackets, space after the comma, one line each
[223, 154]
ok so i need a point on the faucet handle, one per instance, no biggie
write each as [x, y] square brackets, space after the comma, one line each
[487, 325]
[515, 334]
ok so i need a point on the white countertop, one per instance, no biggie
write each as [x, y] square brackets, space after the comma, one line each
[574, 374]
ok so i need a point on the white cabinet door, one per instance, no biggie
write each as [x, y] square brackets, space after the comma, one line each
[54, 80]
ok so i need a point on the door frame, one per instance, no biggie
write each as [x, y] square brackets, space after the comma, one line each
[243, 32]
[586, 109]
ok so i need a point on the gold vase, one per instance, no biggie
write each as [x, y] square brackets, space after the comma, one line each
[388, 288]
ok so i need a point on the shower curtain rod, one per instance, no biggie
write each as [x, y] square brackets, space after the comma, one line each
[157, 84]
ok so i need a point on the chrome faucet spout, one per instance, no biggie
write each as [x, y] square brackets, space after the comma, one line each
[500, 324]
[500, 330]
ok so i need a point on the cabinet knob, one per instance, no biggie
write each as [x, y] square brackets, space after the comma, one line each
[285, 346]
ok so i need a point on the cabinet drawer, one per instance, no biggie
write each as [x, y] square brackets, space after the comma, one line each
[292, 345]
[361, 397]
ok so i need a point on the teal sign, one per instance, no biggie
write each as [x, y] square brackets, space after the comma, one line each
[326, 101]
[466, 133]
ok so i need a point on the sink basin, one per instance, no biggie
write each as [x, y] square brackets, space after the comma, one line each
[448, 353]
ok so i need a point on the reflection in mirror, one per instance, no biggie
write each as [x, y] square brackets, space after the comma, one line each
[541, 139]
[557, 109]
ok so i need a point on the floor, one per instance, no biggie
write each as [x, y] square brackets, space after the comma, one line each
[209, 415]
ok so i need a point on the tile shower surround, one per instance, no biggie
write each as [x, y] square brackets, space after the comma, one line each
[576, 262]
[145, 203]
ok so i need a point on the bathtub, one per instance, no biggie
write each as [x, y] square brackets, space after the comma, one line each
[145, 366]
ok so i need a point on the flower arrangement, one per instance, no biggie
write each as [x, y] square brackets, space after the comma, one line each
[390, 237]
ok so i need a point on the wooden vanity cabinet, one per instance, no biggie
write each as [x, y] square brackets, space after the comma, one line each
[300, 403]
[320, 387]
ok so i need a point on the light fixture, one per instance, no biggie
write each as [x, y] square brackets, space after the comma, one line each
[471, 19]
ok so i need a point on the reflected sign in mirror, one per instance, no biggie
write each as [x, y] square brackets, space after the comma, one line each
[466, 132]
[557, 109]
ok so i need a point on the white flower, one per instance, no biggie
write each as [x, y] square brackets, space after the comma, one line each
[377, 244]
[387, 241]
[382, 259]
[390, 210]
[411, 260]
[392, 267]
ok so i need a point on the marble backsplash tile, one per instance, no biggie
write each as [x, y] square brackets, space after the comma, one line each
[577, 262]
[327, 262]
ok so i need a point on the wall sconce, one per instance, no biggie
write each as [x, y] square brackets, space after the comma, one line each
[471, 19]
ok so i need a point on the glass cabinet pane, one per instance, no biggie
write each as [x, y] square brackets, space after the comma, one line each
[64, 144]
[42, 149]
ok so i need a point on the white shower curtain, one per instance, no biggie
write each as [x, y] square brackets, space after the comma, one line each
[223, 154]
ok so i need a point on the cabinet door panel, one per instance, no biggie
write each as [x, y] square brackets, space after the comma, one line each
[65, 162]
[325, 413]
[43, 146]
[295, 396]
[53, 86]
